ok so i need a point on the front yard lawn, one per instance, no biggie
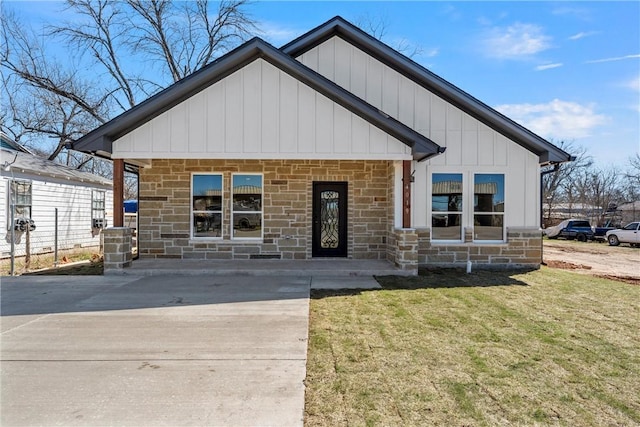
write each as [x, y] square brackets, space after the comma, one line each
[547, 347]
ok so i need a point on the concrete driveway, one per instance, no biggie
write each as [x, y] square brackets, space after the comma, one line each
[151, 351]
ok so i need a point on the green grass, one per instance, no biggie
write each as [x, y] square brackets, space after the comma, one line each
[547, 347]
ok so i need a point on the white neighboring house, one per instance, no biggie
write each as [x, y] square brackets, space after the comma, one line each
[33, 187]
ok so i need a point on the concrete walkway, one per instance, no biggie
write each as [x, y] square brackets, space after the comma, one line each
[328, 267]
[222, 350]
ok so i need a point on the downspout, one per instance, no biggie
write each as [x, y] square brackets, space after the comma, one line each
[118, 192]
[556, 166]
[407, 179]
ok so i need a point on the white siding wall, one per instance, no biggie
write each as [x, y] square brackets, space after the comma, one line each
[259, 112]
[74, 217]
[471, 145]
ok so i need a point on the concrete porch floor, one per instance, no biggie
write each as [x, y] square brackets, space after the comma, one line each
[263, 267]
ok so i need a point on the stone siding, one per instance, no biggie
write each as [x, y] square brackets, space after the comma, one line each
[405, 245]
[164, 208]
[117, 248]
[523, 249]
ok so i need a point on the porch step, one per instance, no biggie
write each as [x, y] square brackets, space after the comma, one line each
[262, 267]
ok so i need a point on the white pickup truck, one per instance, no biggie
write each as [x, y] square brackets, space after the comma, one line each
[630, 233]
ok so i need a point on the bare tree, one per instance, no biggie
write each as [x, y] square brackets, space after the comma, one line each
[377, 27]
[184, 38]
[632, 177]
[558, 185]
[134, 48]
[598, 191]
[43, 99]
[630, 189]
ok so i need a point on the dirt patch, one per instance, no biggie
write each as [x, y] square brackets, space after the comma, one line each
[567, 265]
[82, 268]
[620, 263]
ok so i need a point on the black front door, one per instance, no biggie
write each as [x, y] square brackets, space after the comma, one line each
[329, 219]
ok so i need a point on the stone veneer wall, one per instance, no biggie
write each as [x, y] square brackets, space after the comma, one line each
[117, 248]
[523, 249]
[405, 254]
[164, 208]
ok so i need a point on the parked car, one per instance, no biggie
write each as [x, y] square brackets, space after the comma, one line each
[600, 233]
[570, 229]
[630, 233]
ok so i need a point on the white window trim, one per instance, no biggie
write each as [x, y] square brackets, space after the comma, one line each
[463, 219]
[261, 211]
[473, 213]
[103, 199]
[467, 220]
[11, 202]
[192, 211]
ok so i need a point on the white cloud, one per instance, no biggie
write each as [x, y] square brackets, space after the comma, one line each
[549, 66]
[556, 119]
[516, 41]
[451, 12]
[576, 12]
[583, 34]
[277, 34]
[633, 84]
[431, 52]
[615, 58]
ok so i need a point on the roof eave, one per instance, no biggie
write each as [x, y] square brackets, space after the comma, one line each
[420, 154]
[555, 157]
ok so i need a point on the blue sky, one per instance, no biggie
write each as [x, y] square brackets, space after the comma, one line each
[566, 70]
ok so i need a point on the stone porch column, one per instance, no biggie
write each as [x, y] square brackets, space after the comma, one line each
[117, 249]
[406, 250]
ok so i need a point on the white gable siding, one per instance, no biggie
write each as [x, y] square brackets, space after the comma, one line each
[74, 217]
[259, 112]
[471, 146]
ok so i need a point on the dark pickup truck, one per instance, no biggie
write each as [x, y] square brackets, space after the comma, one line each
[600, 233]
[578, 229]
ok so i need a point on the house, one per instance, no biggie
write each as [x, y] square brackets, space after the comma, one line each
[335, 145]
[33, 188]
[555, 213]
[628, 212]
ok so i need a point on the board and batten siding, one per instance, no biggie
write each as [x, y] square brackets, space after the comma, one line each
[74, 217]
[259, 112]
[471, 146]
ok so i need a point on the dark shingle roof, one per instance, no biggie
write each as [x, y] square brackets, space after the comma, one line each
[29, 166]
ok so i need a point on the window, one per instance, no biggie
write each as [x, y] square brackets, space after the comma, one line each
[446, 206]
[98, 218]
[488, 206]
[452, 206]
[206, 205]
[247, 206]
[19, 200]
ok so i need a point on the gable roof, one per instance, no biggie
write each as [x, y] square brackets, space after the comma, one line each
[337, 26]
[100, 140]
